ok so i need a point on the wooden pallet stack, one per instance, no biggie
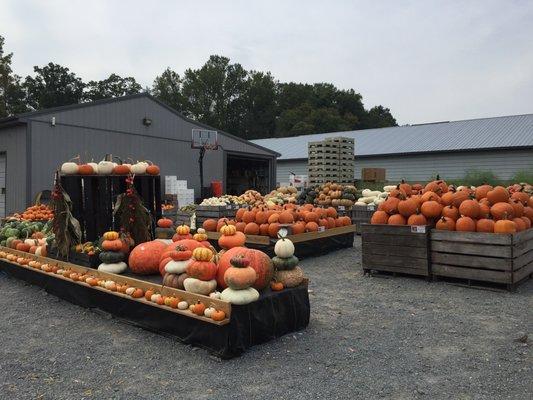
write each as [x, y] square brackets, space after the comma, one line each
[331, 160]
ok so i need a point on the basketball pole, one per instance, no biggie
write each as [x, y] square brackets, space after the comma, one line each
[201, 164]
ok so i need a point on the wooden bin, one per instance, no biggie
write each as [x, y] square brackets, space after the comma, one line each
[360, 215]
[485, 257]
[401, 249]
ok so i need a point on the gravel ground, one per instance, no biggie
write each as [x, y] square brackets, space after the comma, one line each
[369, 337]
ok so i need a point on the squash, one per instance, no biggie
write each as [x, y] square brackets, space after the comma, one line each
[170, 266]
[173, 281]
[231, 241]
[69, 168]
[115, 268]
[202, 254]
[284, 248]
[112, 245]
[239, 297]
[203, 270]
[285, 263]
[198, 286]
[86, 169]
[111, 235]
[152, 170]
[111, 257]
[105, 167]
[259, 261]
[145, 257]
[290, 278]
[469, 208]
[240, 275]
[431, 209]
[210, 225]
[121, 169]
[504, 226]
[164, 223]
[139, 168]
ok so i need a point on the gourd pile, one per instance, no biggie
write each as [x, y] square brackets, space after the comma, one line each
[109, 168]
[239, 278]
[266, 221]
[113, 253]
[38, 212]
[280, 196]
[376, 197]
[468, 209]
[329, 194]
[252, 198]
[222, 200]
[288, 273]
[32, 237]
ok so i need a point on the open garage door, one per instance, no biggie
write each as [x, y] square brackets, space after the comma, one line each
[2, 185]
[248, 172]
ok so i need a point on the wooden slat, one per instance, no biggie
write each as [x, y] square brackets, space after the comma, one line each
[376, 259]
[523, 272]
[471, 273]
[305, 237]
[522, 248]
[466, 260]
[395, 240]
[252, 239]
[472, 249]
[524, 236]
[191, 298]
[400, 270]
[392, 251]
[522, 260]
[471, 237]
[392, 230]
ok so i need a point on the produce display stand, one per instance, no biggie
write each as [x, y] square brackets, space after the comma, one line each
[93, 198]
[306, 244]
[273, 315]
[483, 257]
[396, 249]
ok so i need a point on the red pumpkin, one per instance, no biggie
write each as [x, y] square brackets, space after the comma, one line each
[259, 261]
[203, 270]
[144, 258]
[210, 225]
[164, 223]
[152, 170]
[121, 169]
[112, 245]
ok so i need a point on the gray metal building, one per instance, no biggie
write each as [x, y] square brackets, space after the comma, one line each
[33, 146]
[503, 145]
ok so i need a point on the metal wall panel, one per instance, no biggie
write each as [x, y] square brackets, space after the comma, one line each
[13, 146]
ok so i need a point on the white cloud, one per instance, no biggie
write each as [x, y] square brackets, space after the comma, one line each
[426, 60]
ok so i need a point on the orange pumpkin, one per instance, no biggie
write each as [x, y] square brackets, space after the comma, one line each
[417, 219]
[112, 245]
[485, 225]
[152, 170]
[526, 221]
[498, 195]
[203, 270]
[248, 216]
[465, 224]
[311, 226]
[23, 247]
[502, 210]
[459, 197]
[251, 229]
[520, 224]
[451, 212]
[469, 208]
[298, 228]
[379, 217]
[390, 206]
[311, 217]
[273, 230]
[259, 261]
[528, 212]
[518, 207]
[484, 210]
[144, 258]
[121, 169]
[235, 240]
[481, 191]
[521, 197]
[261, 217]
[239, 226]
[164, 223]
[431, 209]
[210, 225]
[331, 212]
[396, 219]
[286, 217]
[446, 224]
[407, 207]
[263, 229]
[504, 226]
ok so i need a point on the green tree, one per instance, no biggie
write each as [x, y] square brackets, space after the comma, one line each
[379, 117]
[11, 93]
[261, 107]
[168, 87]
[113, 86]
[53, 85]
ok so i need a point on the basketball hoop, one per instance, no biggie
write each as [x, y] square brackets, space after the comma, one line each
[204, 140]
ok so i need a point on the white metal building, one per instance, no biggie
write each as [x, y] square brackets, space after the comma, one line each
[503, 145]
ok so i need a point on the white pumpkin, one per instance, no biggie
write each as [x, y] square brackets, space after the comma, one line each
[155, 297]
[41, 251]
[183, 305]
[209, 311]
[95, 166]
[284, 248]
[139, 168]
[242, 296]
[115, 268]
[215, 295]
[177, 267]
[69, 168]
[105, 167]
[130, 290]
[194, 285]
[110, 284]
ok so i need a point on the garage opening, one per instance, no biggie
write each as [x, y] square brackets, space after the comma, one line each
[243, 173]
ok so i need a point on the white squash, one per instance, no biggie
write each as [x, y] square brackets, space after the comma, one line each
[367, 200]
[284, 248]
[383, 195]
[215, 295]
[95, 166]
[370, 193]
[183, 305]
[242, 296]
[130, 290]
[378, 201]
[176, 267]
[110, 284]
[209, 311]
[69, 168]
[105, 167]
[359, 203]
[389, 188]
[115, 268]
[194, 285]
[139, 168]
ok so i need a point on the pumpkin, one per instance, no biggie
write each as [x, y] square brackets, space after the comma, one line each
[69, 168]
[164, 223]
[284, 248]
[518, 207]
[121, 169]
[276, 286]
[259, 261]
[248, 216]
[481, 191]
[198, 286]
[112, 245]
[485, 225]
[273, 229]
[502, 210]
[240, 275]
[459, 197]
[23, 247]
[273, 218]
[218, 315]
[296, 229]
[202, 254]
[528, 212]
[111, 257]
[446, 224]
[251, 228]
[390, 206]
[86, 169]
[521, 197]
[311, 217]
[407, 207]
[447, 198]
[431, 209]
[438, 186]
[200, 237]
[498, 195]
[484, 210]
[113, 268]
[228, 230]
[210, 225]
[451, 212]
[396, 219]
[465, 224]
[379, 217]
[111, 235]
[504, 226]
[520, 224]
[203, 270]
[311, 226]
[429, 196]
[285, 263]
[236, 240]
[152, 170]
[240, 297]
[145, 257]
[286, 217]
[183, 230]
[290, 278]
[469, 208]
[417, 219]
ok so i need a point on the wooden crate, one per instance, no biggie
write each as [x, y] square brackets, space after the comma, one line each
[400, 249]
[484, 257]
[373, 174]
[360, 215]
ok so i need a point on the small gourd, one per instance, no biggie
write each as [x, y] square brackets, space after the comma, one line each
[209, 311]
[183, 305]
[285, 263]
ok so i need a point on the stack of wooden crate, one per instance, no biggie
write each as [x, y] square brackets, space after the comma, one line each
[331, 160]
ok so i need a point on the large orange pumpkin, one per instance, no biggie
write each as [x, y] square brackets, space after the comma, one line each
[465, 224]
[311, 226]
[311, 217]
[273, 230]
[485, 225]
[451, 212]
[298, 228]
[520, 224]
[447, 198]
[446, 224]
[210, 225]
[518, 207]
[144, 258]
[502, 210]
[259, 261]
[261, 217]
[236, 240]
[521, 197]
[497, 195]
[431, 209]
[263, 229]
[459, 197]
[481, 191]
[469, 208]
[504, 226]
[396, 219]
[379, 217]
[390, 206]
[417, 219]
[203, 270]
[286, 217]
[407, 207]
[240, 226]
[251, 228]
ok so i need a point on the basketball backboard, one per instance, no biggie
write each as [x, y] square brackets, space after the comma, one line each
[203, 138]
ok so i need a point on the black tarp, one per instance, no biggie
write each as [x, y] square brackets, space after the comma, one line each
[273, 315]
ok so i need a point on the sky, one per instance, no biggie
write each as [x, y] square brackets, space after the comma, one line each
[426, 60]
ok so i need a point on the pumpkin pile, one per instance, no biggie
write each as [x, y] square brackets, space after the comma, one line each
[329, 194]
[38, 212]
[164, 229]
[288, 273]
[108, 168]
[481, 209]
[239, 278]
[201, 272]
[266, 221]
[114, 250]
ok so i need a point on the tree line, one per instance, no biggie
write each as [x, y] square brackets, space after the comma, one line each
[250, 104]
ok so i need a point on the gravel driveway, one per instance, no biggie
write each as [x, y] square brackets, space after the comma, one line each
[369, 337]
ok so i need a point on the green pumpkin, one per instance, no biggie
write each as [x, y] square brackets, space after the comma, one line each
[3, 243]
[111, 257]
[10, 240]
[283, 264]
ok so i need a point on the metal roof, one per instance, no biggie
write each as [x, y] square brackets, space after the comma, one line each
[514, 131]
